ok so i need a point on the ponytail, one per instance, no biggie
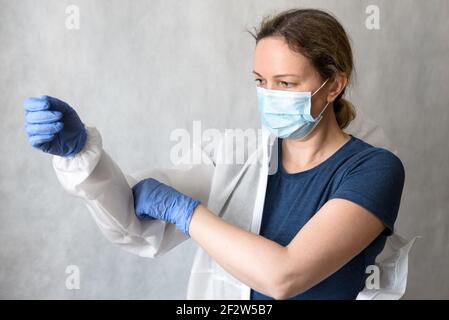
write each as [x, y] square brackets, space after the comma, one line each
[344, 112]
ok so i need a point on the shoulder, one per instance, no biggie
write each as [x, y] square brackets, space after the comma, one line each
[376, 159]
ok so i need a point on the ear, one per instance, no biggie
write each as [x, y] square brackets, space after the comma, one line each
[337, 85]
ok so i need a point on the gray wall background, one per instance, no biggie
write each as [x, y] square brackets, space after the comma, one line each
[139, 69]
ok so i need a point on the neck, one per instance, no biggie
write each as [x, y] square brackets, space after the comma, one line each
[325, 140]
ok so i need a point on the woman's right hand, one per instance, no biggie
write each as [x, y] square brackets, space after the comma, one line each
[53, 126]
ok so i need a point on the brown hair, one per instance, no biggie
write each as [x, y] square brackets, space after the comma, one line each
[320, 37]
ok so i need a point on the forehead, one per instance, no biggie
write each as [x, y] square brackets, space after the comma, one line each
[273, 56]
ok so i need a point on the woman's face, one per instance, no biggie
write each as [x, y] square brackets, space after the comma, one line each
[277, 67]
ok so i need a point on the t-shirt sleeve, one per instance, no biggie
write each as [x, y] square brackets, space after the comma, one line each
[375, 182]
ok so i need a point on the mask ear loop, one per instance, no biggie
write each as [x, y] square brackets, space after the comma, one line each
[322, 111]
[320, 87]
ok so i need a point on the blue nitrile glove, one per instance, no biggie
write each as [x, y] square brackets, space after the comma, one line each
[53, 126]
[153, 199]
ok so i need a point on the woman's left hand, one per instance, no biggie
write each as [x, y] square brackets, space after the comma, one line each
[155, 200]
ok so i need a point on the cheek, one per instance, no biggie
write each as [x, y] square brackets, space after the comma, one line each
[318, 104]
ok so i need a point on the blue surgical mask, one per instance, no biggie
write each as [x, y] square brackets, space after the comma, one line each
[287, 114]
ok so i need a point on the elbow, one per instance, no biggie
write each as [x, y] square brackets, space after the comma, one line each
[290, 284]
[287, 279]
[281, 292]
[284, 288]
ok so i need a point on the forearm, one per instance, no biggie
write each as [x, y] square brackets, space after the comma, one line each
[254, 260]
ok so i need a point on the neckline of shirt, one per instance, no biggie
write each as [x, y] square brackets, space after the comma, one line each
[315, 168]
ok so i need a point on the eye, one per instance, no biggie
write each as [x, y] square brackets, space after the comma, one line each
[258, 81]
[286, 84]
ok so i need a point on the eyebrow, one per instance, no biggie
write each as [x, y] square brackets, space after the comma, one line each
[278, 75]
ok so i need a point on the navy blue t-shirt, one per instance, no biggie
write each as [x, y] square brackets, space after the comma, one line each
[369, 176]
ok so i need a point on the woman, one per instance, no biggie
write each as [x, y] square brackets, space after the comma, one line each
[307, 231]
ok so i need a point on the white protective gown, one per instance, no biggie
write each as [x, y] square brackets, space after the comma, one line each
[235, 192]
